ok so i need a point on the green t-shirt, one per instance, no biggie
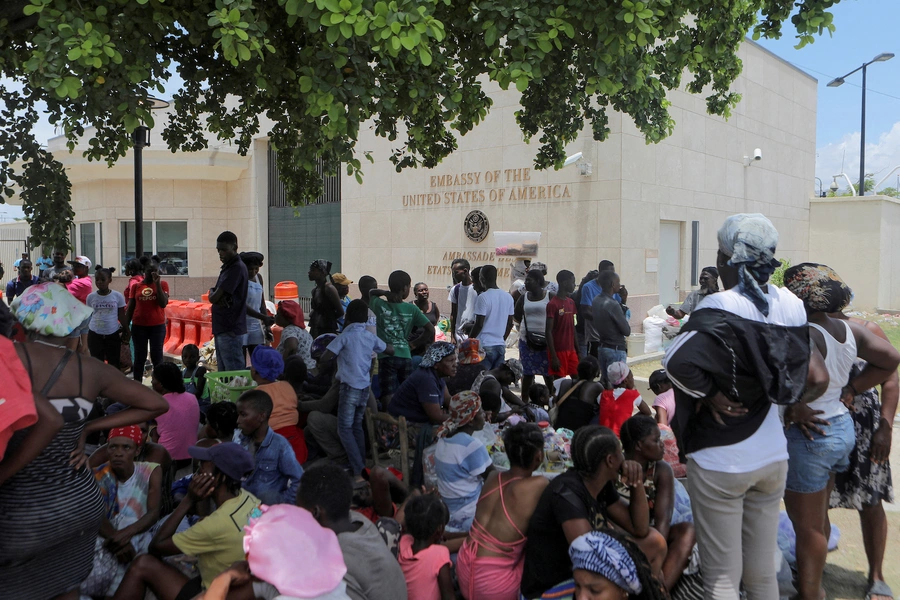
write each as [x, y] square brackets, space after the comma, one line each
[395, 322]
[218, 540]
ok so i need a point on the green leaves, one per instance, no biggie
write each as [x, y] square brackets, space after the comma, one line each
[321, 69]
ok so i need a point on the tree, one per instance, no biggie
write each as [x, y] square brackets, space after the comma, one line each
[320, 68]
[890, 191]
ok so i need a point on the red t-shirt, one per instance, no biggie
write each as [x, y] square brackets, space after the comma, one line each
[147, 311]
[617, 406]
[562, 311]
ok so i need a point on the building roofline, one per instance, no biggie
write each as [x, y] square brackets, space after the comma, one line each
[785, 61]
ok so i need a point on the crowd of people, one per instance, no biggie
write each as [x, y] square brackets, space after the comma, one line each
[110, 488]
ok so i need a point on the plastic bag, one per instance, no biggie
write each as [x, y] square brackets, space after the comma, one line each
[653, 334]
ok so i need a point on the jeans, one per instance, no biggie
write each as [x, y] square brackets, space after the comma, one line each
[494, 356]
[812, 462]
[736, 516]
[141, 335]
[230, 352]
[106, 347]
[608, 356]
[351, 410]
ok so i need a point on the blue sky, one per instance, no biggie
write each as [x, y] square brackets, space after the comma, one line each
[865, 28]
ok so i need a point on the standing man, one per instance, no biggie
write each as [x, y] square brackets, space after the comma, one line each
[493, 318]
[462, 300]
[43, 263]
[19, 261]
[59, 265]
[229, 300]
[396, 319]
[21, 283]
[587, 293]
[610, 324]
[326, 302]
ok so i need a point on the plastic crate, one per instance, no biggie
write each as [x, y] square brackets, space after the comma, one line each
[219, 388]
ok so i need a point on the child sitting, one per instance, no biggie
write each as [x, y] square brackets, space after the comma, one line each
[538, 400]
[195, 375]
[353, 349]
[461, 462]
[425, 562]
[618, 404]
[276, 473]
[664, 404]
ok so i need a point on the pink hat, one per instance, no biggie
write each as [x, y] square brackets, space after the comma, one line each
[271, 542]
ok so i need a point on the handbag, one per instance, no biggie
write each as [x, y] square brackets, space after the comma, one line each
[534, 340]
[554, 410]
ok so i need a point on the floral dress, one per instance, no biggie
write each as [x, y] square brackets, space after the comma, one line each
[864, 483]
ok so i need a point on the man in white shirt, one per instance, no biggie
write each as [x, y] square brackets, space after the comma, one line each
[493, 318]
[744, 351]
[462, 301]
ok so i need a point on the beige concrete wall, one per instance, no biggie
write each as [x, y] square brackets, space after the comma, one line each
[859, 237]
[213, 190]
[698, 173]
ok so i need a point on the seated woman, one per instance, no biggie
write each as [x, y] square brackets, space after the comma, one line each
[461, 462]
[578, 401]
[267, 367]
[607, 564]
[664, 405]
[295, 339]
[584, 499]
[670, 506]
[491, 559]
[131, 496]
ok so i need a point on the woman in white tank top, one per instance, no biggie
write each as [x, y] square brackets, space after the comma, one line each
[821, 435]
[531, 314]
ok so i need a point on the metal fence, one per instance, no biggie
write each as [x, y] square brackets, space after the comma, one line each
[277, 195]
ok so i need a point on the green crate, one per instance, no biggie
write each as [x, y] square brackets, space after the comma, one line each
[219, 390]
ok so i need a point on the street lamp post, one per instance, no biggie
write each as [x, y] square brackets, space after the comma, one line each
[141, 138]
[837, 82]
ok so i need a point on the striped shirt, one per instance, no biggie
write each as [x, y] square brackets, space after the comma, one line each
[459, 461]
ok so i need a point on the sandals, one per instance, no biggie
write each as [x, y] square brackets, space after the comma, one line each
[879, 588]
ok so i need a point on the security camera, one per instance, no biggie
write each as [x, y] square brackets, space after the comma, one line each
[571, 160]
[757, 154]
[834, 185]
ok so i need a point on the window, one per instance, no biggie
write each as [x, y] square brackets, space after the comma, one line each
[167, 239]
[90, 241]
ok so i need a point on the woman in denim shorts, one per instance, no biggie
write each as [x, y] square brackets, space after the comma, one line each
[821, 434]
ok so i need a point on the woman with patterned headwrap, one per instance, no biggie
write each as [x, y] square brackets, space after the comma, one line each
[461, 462]
[822, 435]
[607, 565]
[743, 351]
[867, 483]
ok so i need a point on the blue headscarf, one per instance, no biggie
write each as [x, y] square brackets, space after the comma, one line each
[750, 240]
[600, 553]
[268, 362]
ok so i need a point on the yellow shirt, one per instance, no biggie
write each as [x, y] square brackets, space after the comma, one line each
[218, 540]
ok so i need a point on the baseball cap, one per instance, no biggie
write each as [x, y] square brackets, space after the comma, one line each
[81, 260]
[229, 457]
[341, 279]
